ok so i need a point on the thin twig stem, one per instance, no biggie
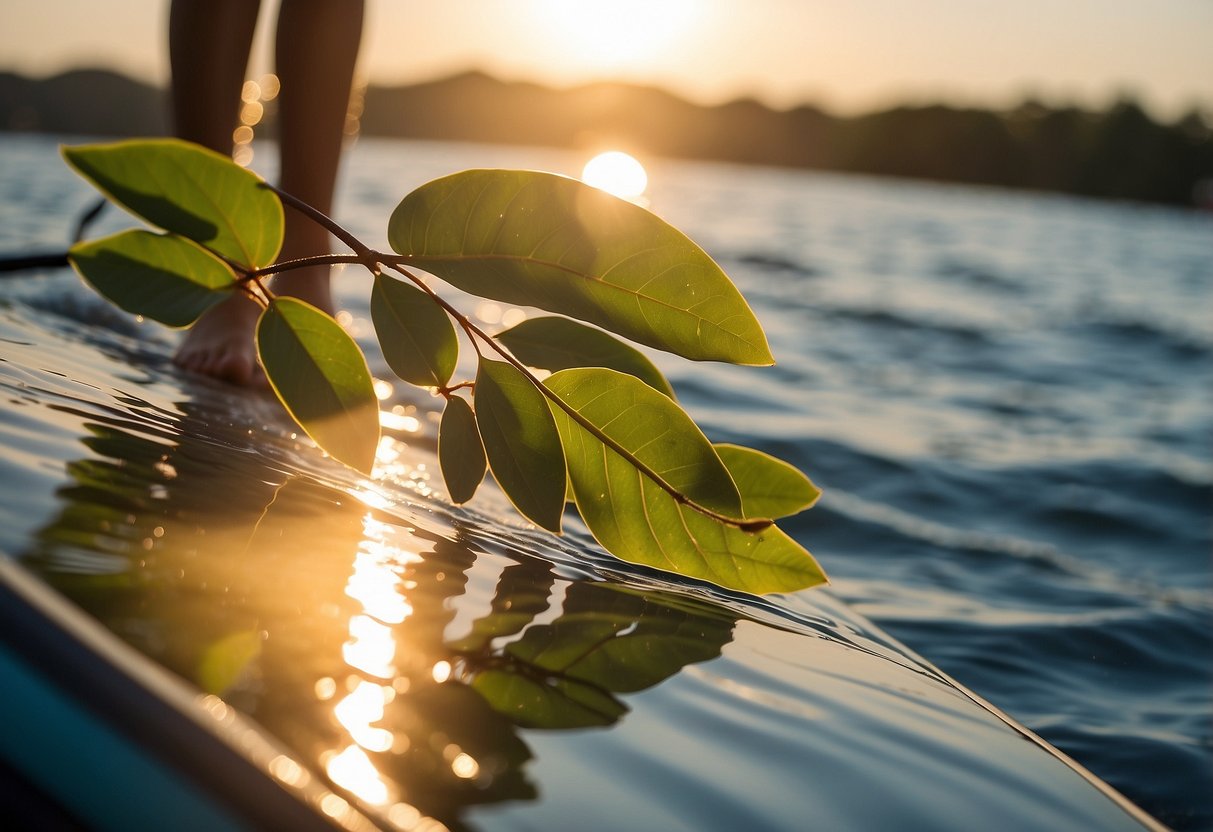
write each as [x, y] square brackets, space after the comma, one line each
[365, 255]
[303, 263]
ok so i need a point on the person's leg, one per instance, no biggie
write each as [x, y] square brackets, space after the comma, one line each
[209, 42]
[317, 46]
[316, 49]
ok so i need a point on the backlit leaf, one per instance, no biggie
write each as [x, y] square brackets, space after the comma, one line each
[321, 377]
[415, 334]
[160, 276]
[460, 451]
[542, 240]
[521, 442]
[637, 521]
[189, 190]
[559, 343]
[769, 487]
[653, 429]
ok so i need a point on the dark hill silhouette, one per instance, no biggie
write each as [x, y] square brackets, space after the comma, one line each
[85, 102]
[1122, 153]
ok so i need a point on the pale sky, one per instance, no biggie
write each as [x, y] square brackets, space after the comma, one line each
[849, 55]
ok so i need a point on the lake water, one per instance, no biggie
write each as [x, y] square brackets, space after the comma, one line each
[1007, 399]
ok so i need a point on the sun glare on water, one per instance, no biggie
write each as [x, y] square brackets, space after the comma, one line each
[616, 173]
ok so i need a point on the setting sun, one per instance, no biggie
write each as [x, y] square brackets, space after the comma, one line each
[617, 173]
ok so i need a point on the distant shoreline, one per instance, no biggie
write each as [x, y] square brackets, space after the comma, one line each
[1120, 153]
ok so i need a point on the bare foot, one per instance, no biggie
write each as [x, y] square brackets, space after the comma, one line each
[221, 343]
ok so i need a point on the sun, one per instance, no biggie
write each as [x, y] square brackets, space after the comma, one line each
[617, 173]
[614, 33]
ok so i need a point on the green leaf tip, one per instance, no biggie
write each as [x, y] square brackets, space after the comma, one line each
[188, 190]
[769, 487]
[321, 377]
[538, 239]
[636, 519]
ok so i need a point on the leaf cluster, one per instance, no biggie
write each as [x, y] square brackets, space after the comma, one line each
[603, 430]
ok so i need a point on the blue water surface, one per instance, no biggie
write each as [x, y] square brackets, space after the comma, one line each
[1006, 398]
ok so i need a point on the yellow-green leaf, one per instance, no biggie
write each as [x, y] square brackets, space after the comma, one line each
[560, 343]
[769, 487]
[160, 276]
[521, 442]
[651, 429]
[636, 520]
[189, 190]
[542, 240]
[321, 377]
[460, 451]
[415, 334]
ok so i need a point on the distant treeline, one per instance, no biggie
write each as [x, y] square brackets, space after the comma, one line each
[1119, 153]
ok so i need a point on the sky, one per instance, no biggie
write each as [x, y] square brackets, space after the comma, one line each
[847, 55]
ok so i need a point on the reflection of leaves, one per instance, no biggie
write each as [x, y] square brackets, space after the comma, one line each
[522, 593]
[607, 640]
[621, 641]
[553, 702]
[240, 552]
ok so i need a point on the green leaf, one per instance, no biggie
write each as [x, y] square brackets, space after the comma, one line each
[559, 344]
[769, 487]
[460, 451]
[543, 240]
[521, 442]
[160, 276]
[652, 429]
[607, 640]
[638, 521]
[189, 190]
[321, 377]
[416, 336]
